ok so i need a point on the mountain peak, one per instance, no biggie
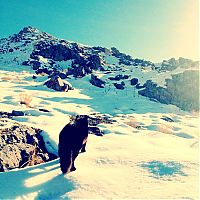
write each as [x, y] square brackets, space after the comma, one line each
[29, 29]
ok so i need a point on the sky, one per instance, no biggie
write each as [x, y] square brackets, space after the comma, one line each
[148, 29]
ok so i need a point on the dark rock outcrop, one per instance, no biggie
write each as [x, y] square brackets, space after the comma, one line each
[94, 62]
[56, 83]
[128, 60]
[57, 52]
[96, 81]
[134, 81]
[138, 86]
[95, 131]
[182, 90]
[102, 49]
[119, 77]
[17, 113]
[156, 92]
[172, 64]
[14, 113]
[143, 63]
[96, 119]
[123, 58]
[45, 70]
[167, 119]
[119, 86]
[85, 59]
[21, 146]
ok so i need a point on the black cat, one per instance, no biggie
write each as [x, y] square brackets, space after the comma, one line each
[72, 140]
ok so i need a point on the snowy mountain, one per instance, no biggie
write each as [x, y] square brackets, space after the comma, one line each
[146, 113]
[41, 50]
[46, 54]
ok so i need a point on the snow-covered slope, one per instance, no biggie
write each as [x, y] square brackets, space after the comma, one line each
[141, 155]
[150, 151]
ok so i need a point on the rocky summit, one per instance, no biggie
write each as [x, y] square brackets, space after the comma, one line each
[44, 52]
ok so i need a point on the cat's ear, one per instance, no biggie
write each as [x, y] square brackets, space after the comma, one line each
[82, 117]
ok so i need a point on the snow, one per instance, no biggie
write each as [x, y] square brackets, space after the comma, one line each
[141, 156]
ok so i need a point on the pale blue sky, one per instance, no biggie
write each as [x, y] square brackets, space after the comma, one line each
[149, 29]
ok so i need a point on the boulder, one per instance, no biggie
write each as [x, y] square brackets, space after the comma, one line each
[95, 130]
[134, 81]
[96, 81]
[21, 146]
[78, 71]
[36, 64]
[94, 62]
[56, 83]
[168, 119]
[119, 86]
[119, 77]
[17, 113]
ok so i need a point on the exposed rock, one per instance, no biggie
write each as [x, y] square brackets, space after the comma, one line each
[57, 52]
[172, 64]
[26, 63]
[5, 115]
[77, 71]
[138, 86]
[14, 113]
[168, 119]
[46, 71]
[21, 146]
[96, 119]
[17, 113]
[182, 90]
[36, 64]
[159, 93]
[96, 81]
[119, 86]
[134, 81]
[94, 62]
[11, 50]
[56, 83]
[102, 49]
[119, 77]
[60, 74]
[95, 131]
[123, 58]
[43, 110]
[143, 63]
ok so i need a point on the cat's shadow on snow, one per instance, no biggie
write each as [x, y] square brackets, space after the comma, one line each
[43, 181]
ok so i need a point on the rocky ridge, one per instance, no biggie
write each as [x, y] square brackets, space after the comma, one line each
[172, 64]
[44, 52]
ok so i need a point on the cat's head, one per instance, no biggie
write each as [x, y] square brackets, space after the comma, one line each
[82, 120]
